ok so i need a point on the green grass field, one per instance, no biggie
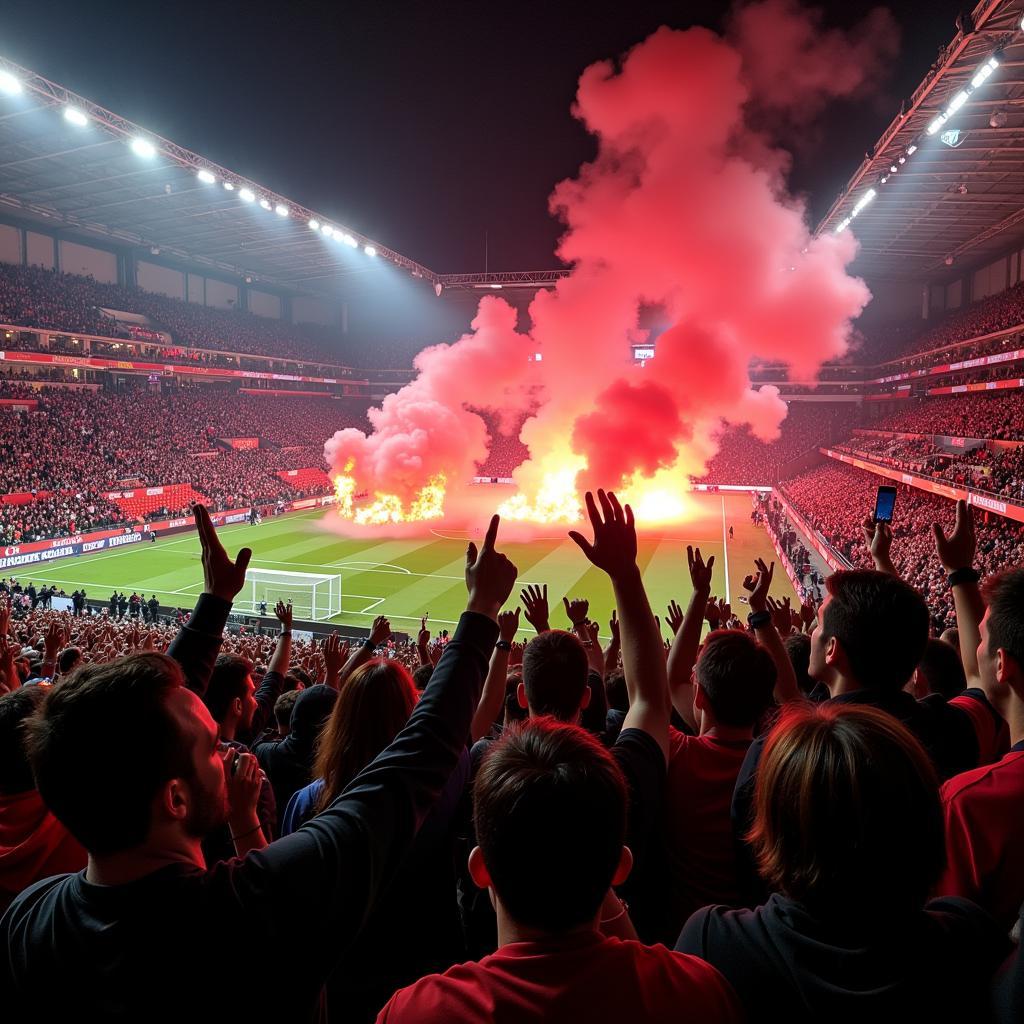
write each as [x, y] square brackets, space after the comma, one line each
[405, 578]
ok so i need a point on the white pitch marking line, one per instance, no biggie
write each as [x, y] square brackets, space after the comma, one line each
[725, 553]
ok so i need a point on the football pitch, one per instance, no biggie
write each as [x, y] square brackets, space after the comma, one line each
[405, 578]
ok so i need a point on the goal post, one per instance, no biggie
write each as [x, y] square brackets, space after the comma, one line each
[313, 596]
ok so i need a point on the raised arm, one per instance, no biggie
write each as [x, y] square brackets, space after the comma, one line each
[611, 652]
[422, 644]
[956, 553]
[614, 550]
[197, 644]
[535, 604]
[686, 643]
[577, 611]
[786, 687]
[380, 632]
[492, 700]
[878, 538]
[319, 883]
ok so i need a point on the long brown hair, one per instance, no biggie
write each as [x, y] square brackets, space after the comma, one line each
[373, 705]
[847, 811]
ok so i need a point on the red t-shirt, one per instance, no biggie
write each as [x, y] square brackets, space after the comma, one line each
[993, 736]
[586, 977]
[702, 773]
[985, 836]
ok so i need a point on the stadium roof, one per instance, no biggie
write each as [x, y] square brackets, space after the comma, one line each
[958, 198]
[70, 165]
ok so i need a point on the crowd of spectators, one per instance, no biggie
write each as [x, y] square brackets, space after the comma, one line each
[835, 499]
[744, 459]
[35, 297]
[506, 452]
[812, 817]
[999, 415]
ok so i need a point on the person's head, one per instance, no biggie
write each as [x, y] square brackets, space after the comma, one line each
[735, 677]
[68, 660]
[421, 677]
[283, 710]
[373, 705]
[951, 636]
[297, 679]
[616, 692]
[940, 671]
[125, 755]
[15, 709]
[231, 694]
[1001, 651]
[847, 811]
[514, 711]
[798, 649]
[555, 676]
[872, 630]
[549, 806]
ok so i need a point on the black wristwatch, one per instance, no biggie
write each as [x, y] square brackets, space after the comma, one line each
[965, 575]
[503, 645]
[758, 619]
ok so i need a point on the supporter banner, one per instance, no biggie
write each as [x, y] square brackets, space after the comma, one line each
[23, 497]
[965, 364]
[986, 501]
[830, 557]
[100, 363]
[888, 396]
[745, 488]
[19, 404]
[241, 443]
[1005, 333]
[279, 392]
[984, 385]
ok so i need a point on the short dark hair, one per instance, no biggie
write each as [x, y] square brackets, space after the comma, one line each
[616, 691]
[881, 623]
[737, 676]
[68, 659]
[227, 683]
[15, 710]
[798, 649]
[847, 810]
[555, 674]
[1004, 596]
[549, 805]
[421, 676]
[942, 668]
[79, 743]
[283, 707]
[297, 675]
[514, 711]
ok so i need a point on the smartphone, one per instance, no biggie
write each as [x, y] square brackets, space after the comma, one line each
[885, 504]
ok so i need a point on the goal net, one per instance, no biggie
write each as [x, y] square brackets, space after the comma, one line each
[314, 596]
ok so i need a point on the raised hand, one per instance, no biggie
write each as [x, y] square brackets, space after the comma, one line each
[782, 615]
[613, 626]
[808, 614]
[508, 625]
[5, 617]
[423, 636]
[713, 613]
[515, 655]
[380, 631]
[674, 617]
[614, 546]
[535, 606]
[576, 610]
[956, 551]
[490, 576]
[878, 538]
[222, 577]
[335, 653]
[284, 614]
[700, 572]
[758, 584]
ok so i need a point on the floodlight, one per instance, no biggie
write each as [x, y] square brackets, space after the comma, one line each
[265, 203]
[957, 102]
[328, 230]
[9, 84]
[883, 179]
[864, 200]
[369, 250]
[911, 149]
[228, 186]
[281, 210]
[495, 285]
[893, 168]
[937, 123]
[314, 224]
[350, 242]
[902, 160]
[74, 116]
[247, 194]
[143, 147]
[206, 177]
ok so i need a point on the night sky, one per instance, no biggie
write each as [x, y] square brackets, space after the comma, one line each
[423, 125]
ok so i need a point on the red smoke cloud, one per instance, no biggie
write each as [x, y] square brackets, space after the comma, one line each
[684, 207]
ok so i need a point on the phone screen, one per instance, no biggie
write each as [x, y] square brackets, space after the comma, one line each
[885, 504]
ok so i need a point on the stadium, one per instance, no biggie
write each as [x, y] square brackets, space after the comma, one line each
[790, 388]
